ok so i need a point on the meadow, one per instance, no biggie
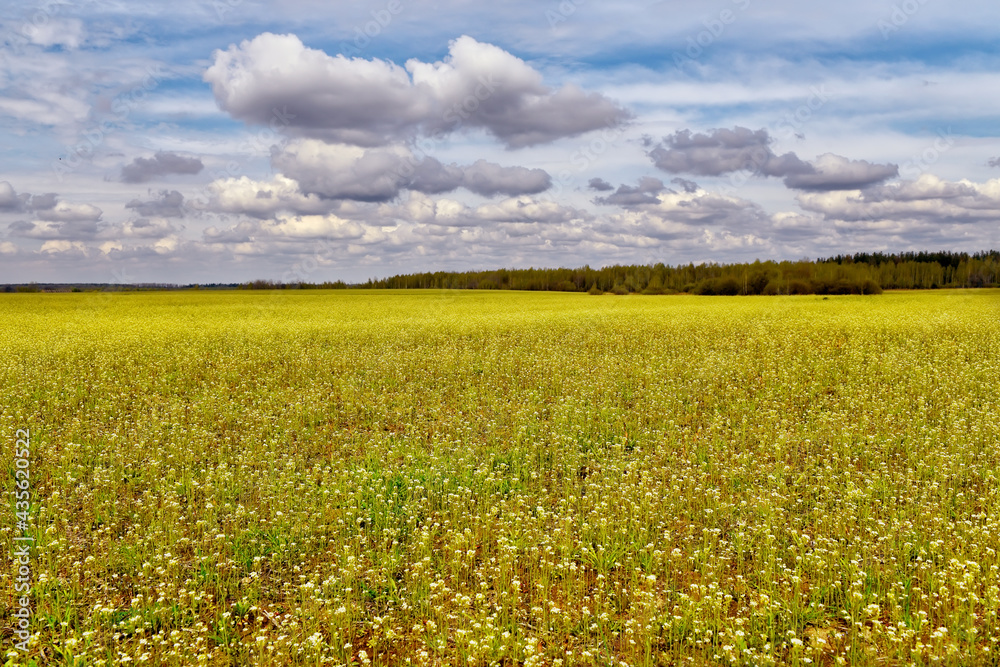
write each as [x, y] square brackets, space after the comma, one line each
[505, 478]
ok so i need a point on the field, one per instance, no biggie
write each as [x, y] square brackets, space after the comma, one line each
[478, 478]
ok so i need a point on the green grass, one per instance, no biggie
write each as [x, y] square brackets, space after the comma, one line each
[506, 478]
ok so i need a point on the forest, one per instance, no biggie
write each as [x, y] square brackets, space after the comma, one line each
[860, 273]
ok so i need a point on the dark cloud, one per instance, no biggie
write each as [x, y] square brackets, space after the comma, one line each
[685, 185]
[723, 151]
[9, 199]
[275, 80]
[20, 228]
[600, 185]
[994, 162]
[429, 176]
[168, 205]
[43, 202]
[380, 174]
[143, 170]
[489, 179]
[833, 172]
[71, 230]
[627, 196]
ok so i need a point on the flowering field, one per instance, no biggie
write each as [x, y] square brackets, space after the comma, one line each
[477, 478]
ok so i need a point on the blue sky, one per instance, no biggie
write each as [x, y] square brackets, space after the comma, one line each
[227, 140]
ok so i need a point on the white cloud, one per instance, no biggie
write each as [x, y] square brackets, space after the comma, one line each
[275, 80]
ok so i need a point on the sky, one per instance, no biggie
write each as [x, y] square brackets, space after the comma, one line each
[202, 141]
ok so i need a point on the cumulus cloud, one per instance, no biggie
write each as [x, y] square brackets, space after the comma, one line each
[723, 151]
[287, 227]
[685, 184]
[339, 171]
[833, 172]
[449, 213]
[600, 185]
[167, 205]
[9, 200]
[489, 179]
[70, 230]
[66, 212]
[144, 228]
[275, 80]
[626, 195]
[261, 199]
[64, 248]
[928, 199]
[65, 32]
[707, 208]
[163, 163]
[994, 162]
[42, 202]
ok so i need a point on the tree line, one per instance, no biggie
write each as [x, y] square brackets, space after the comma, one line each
[860, 273]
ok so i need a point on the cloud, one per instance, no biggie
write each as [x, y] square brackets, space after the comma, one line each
[54, 219]
[143, 228]
[275, 80]
[43, 202]
[708, 208]
[143, 170]
[339, 171]
[449, 213]
[994, 162]
[64, 248]
[67, 33]
[261, 199]
[723, 151]
[627, 196]
[71, 230]
[9, 200]
[65, 212]
[600, 185]
[833, 172]
[489, 179]
[928, 199]
[287, 227]
[685, 184]
[168, 205]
